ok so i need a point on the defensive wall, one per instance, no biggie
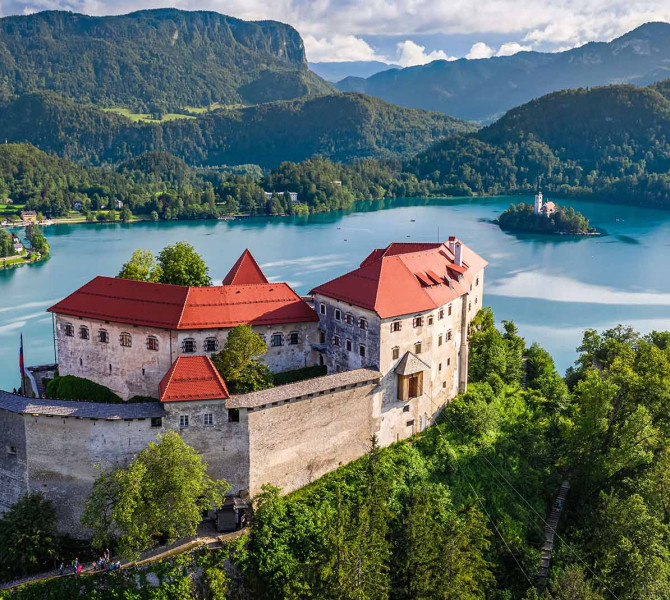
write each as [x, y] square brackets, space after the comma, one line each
[285, 436]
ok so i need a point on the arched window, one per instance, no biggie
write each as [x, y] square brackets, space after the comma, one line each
[103, 336]
[152, 343]
[126, 340]
[188, 346]
[83, 332]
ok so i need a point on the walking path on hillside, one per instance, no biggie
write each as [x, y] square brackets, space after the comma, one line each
[549, 531]
[151, 556]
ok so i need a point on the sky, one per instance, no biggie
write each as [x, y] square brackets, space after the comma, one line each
[410, 32]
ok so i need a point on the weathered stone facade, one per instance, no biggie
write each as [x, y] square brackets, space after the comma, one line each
[136, 370]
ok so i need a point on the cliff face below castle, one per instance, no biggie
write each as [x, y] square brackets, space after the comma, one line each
[154, 59]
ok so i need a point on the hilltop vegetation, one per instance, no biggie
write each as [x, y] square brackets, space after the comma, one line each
[339, 126]
[613, 142]
[458, 511]
[482, 90]
[154, 59]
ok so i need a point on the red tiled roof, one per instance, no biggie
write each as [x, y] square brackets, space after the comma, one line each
[245, 271]
[178, 307]
[398, 280]
[192, 378]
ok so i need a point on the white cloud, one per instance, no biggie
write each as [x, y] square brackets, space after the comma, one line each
[410, 53]
[339, 48]
[480, 50]
[512, 48]
[28, 10]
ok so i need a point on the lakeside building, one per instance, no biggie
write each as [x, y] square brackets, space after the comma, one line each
[28, 216]
[392, 333]
[292, 195]
[542, 207]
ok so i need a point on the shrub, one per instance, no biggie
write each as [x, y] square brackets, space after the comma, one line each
[69, 387]
[299, 374]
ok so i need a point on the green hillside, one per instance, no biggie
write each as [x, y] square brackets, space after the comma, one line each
[611, 142]
[152, 59]
[338, 126]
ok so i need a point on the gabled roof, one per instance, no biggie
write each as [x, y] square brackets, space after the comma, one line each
[409, 364]
[180, 307]
[406, 278]
[245, 271]
[192, 378]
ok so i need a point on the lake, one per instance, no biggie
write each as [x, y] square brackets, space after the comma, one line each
[553, 287]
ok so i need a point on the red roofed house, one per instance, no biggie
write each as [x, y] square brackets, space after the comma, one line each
[405, 311]
[127, 334]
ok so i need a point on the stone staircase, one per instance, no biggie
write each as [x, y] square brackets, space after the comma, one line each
[550, 530]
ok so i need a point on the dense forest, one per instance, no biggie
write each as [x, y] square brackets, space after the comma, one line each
[611, 142]
[339, 126]
[459, 511]
[154, 59]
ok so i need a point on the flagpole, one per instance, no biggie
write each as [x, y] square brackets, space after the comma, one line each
[23, 387]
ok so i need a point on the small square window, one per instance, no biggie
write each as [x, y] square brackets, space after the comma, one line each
[11, 450]
[293, 338]
[188, 346]
[363, 323]
[211, 344]
[103, 336]
[126, 340]
[233, 415]
[152, 343]
[209, 419]
[417, 348]
[69, 329]
[395, 353]
[396, 326]
[183, 420]
[277, 339]
[406, 408]
[444, 384]
[338, 314]
[410, 423]
[157, 421]
[83, 332]
[348, 345]
[417, 322]
[322, 308]
[362, 350]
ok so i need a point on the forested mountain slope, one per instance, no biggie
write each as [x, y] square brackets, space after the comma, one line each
[484, 89]
[152, 59]
[612, 141]
[338, 126]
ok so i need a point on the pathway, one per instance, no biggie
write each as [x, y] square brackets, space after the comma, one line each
[549, 532]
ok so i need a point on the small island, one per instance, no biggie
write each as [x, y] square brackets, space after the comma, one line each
[544, 217]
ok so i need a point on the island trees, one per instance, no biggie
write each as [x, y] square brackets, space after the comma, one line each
[160, 495]
[565, 220]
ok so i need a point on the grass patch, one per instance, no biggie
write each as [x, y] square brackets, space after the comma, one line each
[299, 374]
[146, 117]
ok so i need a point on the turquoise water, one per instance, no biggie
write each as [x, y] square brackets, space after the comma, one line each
[553, 287]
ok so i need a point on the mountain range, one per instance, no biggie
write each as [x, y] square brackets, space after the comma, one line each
[338, 70]
[153, 59]
[482, 90]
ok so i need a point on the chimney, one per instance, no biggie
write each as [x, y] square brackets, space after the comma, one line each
[451, 243]
[458, 254]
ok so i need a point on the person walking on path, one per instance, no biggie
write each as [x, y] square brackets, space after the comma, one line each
[75, 566]
[61, 569]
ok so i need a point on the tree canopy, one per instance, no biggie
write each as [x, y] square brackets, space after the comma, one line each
[161, 493]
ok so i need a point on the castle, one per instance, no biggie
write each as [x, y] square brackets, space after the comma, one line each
[392, 335]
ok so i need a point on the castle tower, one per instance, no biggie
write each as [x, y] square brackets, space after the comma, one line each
[538, 202]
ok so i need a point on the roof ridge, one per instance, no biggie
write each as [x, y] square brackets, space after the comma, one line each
[183, 308]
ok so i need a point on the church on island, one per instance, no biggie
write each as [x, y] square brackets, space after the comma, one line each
[544, 208]
[391, 335]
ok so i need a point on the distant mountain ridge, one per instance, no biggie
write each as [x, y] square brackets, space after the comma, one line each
[150, 59]
[342, 127]
[337, 70]
[482, 90]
